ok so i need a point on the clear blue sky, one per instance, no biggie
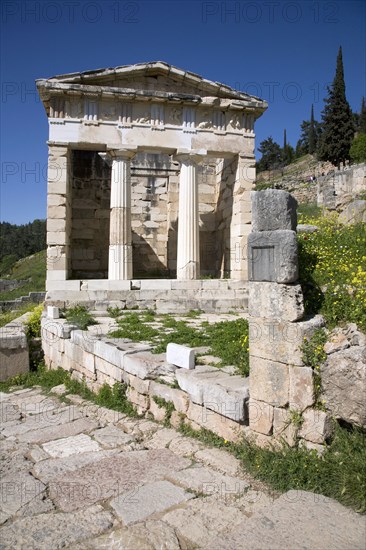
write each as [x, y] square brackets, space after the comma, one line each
[283, 51]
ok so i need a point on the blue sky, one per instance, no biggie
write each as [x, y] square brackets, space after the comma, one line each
[283, 51]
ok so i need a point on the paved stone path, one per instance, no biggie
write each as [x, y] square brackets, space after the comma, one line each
[78, 476]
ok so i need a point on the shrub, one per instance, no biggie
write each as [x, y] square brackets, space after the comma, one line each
[80, 316]
[33, 325]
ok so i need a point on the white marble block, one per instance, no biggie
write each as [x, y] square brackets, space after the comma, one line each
[181, 356]
[53, 312]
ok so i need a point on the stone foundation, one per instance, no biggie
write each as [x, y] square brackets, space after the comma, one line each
[204, 397]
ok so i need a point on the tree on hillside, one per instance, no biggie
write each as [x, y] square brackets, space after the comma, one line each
[271, 155]
[288, 152]
[361, 127]
[337, 121]
[358, 149]
[22, 240]
[310, 136]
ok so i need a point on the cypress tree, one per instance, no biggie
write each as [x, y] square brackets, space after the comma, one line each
[312, 133]
[337, 120]
[362, 118]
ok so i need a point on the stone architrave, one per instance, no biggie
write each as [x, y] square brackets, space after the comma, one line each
[188, 248]
[120, 236]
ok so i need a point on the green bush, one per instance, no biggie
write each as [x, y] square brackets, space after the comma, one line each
[358, 149]
[33, 325]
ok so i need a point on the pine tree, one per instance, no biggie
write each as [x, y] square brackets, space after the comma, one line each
[337, 121]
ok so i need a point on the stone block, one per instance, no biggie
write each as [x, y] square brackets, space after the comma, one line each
[260, 416]
[273, 210]
[316, 426]
[142, 365]
[274, 301]
[13, 362]
[273, 256]
[136, 398]
[301, 387]
[193, 382]
[53, 312]
[220, 425]
[281, 341]
[136, 506]
[157, 412]
[283, 427]
[141, 386]
[77, 444]
[343, 381]
[181, 356]
[178, 397]
[269, 381]
[113, 372]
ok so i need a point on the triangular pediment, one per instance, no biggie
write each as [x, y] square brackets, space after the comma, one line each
[151, 77]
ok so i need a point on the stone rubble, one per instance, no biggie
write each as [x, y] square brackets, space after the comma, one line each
[94, 490]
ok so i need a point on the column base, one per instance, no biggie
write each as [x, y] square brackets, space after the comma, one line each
[189, 272]
[120, 262]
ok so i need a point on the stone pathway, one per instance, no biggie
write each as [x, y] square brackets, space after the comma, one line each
[78, 476]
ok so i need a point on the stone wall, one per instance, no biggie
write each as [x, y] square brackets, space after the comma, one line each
[14, 351]
[338, 187]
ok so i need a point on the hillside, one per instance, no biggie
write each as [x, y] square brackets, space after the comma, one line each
[31, 271]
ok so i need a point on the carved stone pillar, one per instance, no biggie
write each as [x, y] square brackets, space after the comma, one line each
[188, 249]
[120, 236]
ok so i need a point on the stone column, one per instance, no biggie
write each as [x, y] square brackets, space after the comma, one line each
[58, 214]
[188, 249]
[120, 235]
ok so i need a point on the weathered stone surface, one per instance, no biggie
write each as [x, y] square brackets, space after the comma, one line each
[56, 530]
[301, 387]
[216, 390]
[62, 448]
[219, 460]
[53, 312]
[355, 212]
[269, 381]
[296, 520]
[260, 416]
[202, 519]
[46, 470]
[181, 356]
[343, 382]
[41, 415]
[177, 397]
[17, 489]
[43, 435]
[283, 427]
[203, 479]
[273, 256]
[274, 301]
[316, 426]
[111, 437]
[185, 446]
[140, 503]
[281, 341]
[150, 535]
[273, 209]
[113, 476]
[162, 438]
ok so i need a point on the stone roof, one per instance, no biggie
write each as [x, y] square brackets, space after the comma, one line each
[100, 79]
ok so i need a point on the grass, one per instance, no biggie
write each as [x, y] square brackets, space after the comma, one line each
[339, 473]
[333, 271]
[33, 270]
[227, 340]
[79, 316]
[8, 316]
[309, 210]
[110, 397]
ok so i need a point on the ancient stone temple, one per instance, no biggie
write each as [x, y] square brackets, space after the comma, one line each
[149, 177]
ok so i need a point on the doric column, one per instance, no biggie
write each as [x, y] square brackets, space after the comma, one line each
[188, 249]
[120, 236]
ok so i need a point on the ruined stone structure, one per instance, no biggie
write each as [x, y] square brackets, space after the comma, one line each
[149, 174]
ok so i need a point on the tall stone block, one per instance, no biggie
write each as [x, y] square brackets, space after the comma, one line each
[273, 210]
[273, 256]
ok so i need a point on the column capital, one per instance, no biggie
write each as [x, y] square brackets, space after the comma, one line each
[190, 156]
[121, 153]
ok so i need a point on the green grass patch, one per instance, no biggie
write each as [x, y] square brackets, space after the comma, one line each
[8, 316]
[79, 316]
[309, 210]
[31, 269]
[226, 340]
[168, 406]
